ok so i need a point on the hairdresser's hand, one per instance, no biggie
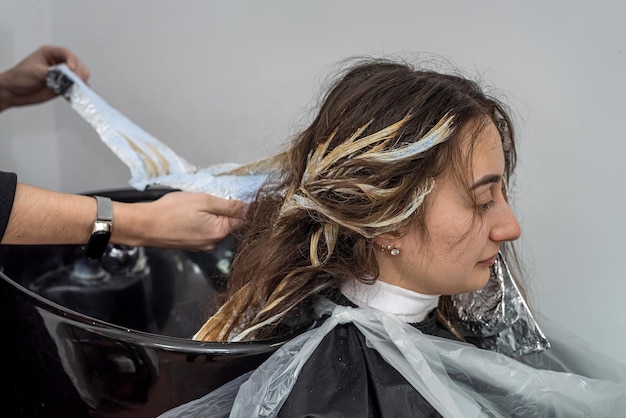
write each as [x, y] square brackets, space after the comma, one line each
[191, 221]
[25, 84]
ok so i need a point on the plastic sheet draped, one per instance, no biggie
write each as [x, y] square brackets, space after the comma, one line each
[152, 162]
[457, 379]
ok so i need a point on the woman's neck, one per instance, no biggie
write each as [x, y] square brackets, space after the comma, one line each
[407, 305]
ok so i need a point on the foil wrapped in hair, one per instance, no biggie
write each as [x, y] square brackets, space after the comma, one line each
[495, 318]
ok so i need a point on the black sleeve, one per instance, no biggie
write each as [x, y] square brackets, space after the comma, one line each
[8, 183]
[345, 378]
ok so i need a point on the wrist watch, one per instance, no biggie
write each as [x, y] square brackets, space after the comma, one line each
[101, 234]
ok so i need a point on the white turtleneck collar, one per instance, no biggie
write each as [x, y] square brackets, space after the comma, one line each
[407, 305]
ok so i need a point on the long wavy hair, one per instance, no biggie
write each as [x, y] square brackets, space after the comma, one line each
[384, 132]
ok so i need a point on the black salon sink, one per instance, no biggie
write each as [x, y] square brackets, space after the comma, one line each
[111, 338]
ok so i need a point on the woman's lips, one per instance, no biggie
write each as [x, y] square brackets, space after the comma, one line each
[489, 261]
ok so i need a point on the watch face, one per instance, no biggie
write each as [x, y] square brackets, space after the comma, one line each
[97, 244]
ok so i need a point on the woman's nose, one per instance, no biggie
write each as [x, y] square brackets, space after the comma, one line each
[506, 227]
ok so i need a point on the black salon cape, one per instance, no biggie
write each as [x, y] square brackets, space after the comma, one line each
[346, 378]
[332, 371]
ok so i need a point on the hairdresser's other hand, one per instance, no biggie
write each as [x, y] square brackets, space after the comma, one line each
[25, 83]
[186, 220]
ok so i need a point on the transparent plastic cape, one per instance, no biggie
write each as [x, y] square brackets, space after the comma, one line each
[568, 352]
[457, 379]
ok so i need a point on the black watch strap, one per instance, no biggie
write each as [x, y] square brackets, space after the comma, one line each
[101, 234]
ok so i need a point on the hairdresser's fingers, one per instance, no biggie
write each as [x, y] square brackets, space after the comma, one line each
[57, 54]
[227, 207]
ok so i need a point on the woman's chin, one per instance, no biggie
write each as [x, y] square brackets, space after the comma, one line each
[478, 282]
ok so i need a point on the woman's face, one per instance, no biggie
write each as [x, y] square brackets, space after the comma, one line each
[460, 249]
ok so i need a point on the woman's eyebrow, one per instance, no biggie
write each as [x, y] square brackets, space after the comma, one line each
[487, 179]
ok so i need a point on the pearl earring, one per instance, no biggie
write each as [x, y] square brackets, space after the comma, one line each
[392, 250]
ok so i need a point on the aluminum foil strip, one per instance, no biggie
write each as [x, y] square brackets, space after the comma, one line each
[497, 317]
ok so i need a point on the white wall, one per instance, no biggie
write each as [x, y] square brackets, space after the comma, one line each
[227, 81]
[28, 141]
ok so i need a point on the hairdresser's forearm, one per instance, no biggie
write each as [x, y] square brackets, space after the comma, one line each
[42, 216]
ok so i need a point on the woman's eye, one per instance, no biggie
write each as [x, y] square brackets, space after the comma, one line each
[486, 206]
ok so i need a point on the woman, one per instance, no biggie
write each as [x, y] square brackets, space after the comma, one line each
[367, 200]
[391, 201]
